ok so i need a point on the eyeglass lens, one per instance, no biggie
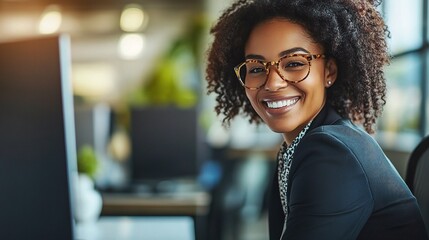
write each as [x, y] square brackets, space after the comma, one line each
[254, 73]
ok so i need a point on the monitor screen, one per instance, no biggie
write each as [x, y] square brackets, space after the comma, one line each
[166, 144]
[37, 145]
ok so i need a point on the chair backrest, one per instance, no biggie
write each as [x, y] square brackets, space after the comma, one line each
[417, 177]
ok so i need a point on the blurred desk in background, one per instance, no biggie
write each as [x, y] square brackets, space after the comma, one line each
[160, 204]
[194, 205]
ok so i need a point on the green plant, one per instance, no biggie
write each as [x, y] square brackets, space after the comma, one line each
[87, 161]
[176, 77]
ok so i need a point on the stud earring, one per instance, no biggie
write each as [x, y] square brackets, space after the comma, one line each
[329, 83]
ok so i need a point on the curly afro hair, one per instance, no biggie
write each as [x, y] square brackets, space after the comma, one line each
[351, 31]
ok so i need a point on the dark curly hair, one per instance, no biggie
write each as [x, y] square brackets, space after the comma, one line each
[351, 31]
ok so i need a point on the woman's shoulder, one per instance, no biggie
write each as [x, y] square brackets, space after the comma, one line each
[330, 126]
[343, 132]
[340, 141]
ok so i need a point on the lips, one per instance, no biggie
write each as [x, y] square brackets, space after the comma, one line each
[276, 104]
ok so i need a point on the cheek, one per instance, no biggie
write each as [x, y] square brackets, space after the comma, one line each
[316, 91]
[251, 95]
[315, 84]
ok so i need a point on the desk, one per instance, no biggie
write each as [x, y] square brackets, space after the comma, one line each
[137, 228]
[184, 204]
[192, 204]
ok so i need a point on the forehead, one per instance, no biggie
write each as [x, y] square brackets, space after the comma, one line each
[277, 35]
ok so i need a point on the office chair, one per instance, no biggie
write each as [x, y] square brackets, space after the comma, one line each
[417, 177]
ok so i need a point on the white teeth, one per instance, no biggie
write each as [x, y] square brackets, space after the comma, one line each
[283, 103]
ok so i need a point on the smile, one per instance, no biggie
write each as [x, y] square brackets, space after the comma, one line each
[282, 103]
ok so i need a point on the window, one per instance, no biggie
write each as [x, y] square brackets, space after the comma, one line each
[404, 19]
[404, 119]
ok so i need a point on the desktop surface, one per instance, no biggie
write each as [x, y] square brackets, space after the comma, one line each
[184, 203]
[137, 228]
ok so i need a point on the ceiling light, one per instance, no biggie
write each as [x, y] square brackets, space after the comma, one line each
[131, 45]
[51, 19]
[133, 18]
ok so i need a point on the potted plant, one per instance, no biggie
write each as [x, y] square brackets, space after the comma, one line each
[88, 200]
[87, 162]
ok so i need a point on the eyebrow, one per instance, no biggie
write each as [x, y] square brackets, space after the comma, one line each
[281, 54]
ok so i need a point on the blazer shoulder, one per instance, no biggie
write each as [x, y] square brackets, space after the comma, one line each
[343, 131]
[338, 142]
[334, 141]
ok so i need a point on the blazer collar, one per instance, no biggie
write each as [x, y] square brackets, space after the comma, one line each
[326, 116]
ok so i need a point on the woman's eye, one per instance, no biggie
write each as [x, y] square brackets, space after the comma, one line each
[257, 70]
[293, 64]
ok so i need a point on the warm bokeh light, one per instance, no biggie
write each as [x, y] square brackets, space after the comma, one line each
[50, 21]
[131, 46]
[133, 18]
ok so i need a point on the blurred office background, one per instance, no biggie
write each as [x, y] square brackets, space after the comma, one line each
[132, 58]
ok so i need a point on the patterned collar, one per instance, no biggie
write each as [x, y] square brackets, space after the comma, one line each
[284, 162]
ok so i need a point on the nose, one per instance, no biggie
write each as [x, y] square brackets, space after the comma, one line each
[274, 80]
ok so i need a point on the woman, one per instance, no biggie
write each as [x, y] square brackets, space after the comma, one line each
[312, 70]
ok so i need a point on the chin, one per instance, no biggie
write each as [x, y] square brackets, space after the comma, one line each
[281, 128]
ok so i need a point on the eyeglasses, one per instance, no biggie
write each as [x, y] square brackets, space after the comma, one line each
[294, 68]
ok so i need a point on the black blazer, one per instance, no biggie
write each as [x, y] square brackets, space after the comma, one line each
[342, 186]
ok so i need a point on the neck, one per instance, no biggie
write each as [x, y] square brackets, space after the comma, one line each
[290, 136]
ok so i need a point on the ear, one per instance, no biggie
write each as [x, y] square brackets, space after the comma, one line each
[331, 72]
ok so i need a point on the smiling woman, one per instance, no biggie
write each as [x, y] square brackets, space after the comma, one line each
[294, 92]
[312, 70]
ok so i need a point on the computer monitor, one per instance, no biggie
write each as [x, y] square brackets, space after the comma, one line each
[37, 143]
[167, 144]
